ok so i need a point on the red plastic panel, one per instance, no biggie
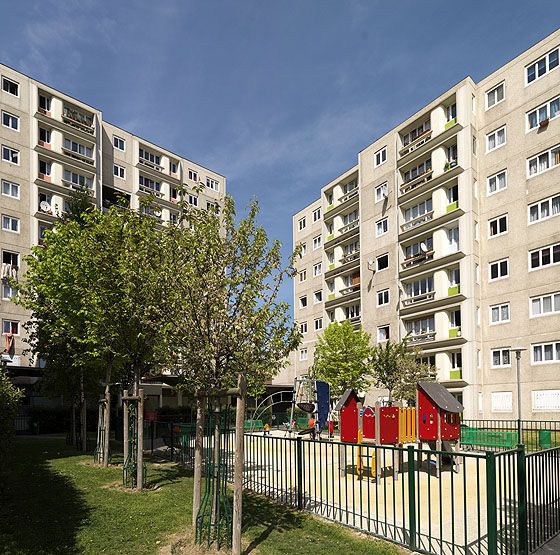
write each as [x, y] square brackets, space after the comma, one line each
[368, 423]
[427, 417]
[388, 425]
[349, 424]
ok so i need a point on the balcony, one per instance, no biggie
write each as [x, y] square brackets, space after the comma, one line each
[353, 193]
[349, 227]
[151, 165]
[419, 141]
[456, 374]
[351, 289]
[329, 207]
[355, 320]
[83, 122]
[150, 190]
[77, 156]
[416, 182]
[450, 124]
[449, 165]
[419, 220]
[331, 297]
[455, 332]
[425, 297]
[453, 290]
[422, 337]
[417, 259]
[349, 257]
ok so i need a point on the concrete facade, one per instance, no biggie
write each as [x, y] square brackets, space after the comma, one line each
[450, 236]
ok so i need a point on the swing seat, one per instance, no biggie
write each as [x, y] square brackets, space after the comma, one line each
[306, 407]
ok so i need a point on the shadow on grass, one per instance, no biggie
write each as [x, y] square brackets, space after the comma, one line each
[42, 510]
[161, 475]
[263, 514]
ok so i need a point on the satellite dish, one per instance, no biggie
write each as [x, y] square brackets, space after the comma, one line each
[45, 206]
[423, 247]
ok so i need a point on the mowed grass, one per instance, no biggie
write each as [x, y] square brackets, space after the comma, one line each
[57, 501]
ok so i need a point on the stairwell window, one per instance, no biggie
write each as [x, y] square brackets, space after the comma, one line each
[382, 227]
[302, 276]
[10, 121]
[496, 139]
[301, 224]
[318, 296]
[10, 155]
[499, 269]
[383, 297]
[316, 215]
[497, 182]
[303, 301]
[547, 111]
[383, 333]
[380, 157]
[542, 66]
[318, 324]
[543, 161]
[381, 192]
[382, 262]
[303, 327]
[317, 242]
[317, 269]
[498, 226]
[119, 143]
[544, 209]
[119, 171]
[495, 95]
[546, 256]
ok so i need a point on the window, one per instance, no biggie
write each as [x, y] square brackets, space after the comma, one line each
[381, 227]
[543, 161]
[10, 326]
[9, 223]
[303, 327]
[545, 305]
[451, 112]
[546, 111]
[410, 251]
[453, 194]
[213, 207]
[193, 175]
[303, 354]
[502, 401]
[418, 170]
[497, 182]
[420, 287]
[496, 139]
[10, 258]
[350, 248]
[118, 171]
[544, 209]
[301, 224]
[316, 215]
[78, 148]
[45, 167]
[455, 319]
[316, 242]
[542, 66]
[193, 200]
[421, 326]
[149, 156]
[451, 153]
[546, 256]
[498, 226]
[303, 250]
[499, 313]
[456, 360]
[545, 400]
[302, 276]
[350, 186]
[382, 262]
[8, 292]
[44, 135]
[546, 353]
[418, 210]
[351, 217]
[45, 103]
[212, 184]
[474, 144]
[303, 301]
[318, 296]
[10, 155]
[501, 357]
[318, 324]
[118, 143]
[416, 132]
[77, 179]
[9, 86]
[499, 269]
[383, 297]
[430, 360]
[352, 311]
[10, 189]
[173, 166]
[380, 157]
[148, 183]
[317, 269]
[330, 198]
[10, 121]
[383, 333]
[495, 96]
[381, 192]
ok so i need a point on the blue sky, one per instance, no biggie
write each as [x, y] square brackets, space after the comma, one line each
[278, 96]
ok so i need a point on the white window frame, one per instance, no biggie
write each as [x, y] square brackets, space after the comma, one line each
[11, 184]
[555, 352]
[4, 78]
[381, 192]
[384, 223]
[377, 262]
[11, 218]
[213, 184]
[383, 295]
[495, 132]
[490, 264]
[540, 299]
[120, 170]
[495, 177]
[303, 302]
[382, 155]
[193, 200]
[9, 292]
[495, 89]
[547, 69]
[383, 327]
[497, 220]
[12, 117]
[540, 249]
[536, 110]
[318, 323]
[303, 354]
[9, 321]
[316, 214]
[11, 151]
[193, 175]
[301, 224]
[303, 328]
[549, 153]
[317, 241]
[499, 306]
[118, 140]
[501, 350]
[538, 204]
[317, 269]
[303, 249]
[302, 275]
[319, 293]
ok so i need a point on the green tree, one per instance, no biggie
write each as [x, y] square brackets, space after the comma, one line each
[342, 356]
[412, 371]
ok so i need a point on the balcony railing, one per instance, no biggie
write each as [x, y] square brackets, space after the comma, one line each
[78, 156]
[419, 220]
[409, 301]
[349, 290]
[147, 189]
[418, 259]
[78, 120]
[452, 206]
[453, 290]
[422, 337]
[349, 227]
[349, 257]
[152, 165]
[450, 124]
[416, 182]
[348, 196]
[355, 319]
[456, 374]
[455, 332]
[419, 141]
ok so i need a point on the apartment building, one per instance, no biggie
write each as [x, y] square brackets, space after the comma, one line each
[51, 143]
[448, 230]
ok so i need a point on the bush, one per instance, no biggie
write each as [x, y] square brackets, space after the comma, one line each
[10, 397]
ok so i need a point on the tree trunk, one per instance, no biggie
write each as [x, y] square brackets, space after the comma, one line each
[140, 445]
[83, 415]
[73, 439]
[106, 439]
[198, 447]
[217, 438]
[126, 416]
[238, 468]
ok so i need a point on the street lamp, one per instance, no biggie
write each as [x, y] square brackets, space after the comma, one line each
[517, 351]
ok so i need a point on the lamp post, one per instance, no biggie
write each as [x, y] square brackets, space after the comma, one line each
[517, 351]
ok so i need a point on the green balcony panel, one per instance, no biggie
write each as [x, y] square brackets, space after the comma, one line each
[450, 124]
[330, 237]
[331, 266]
[454, 290]
[330, 207]
[453, 206]
[454, 332]
[456, 374]
[331, 296]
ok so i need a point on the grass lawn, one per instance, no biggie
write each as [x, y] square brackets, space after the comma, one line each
[58, 502]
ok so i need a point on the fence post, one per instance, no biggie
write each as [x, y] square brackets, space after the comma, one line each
[411, 498]
[491, 503]
[522, 502]
[152, 430]
[172, 440]
[299, 462]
